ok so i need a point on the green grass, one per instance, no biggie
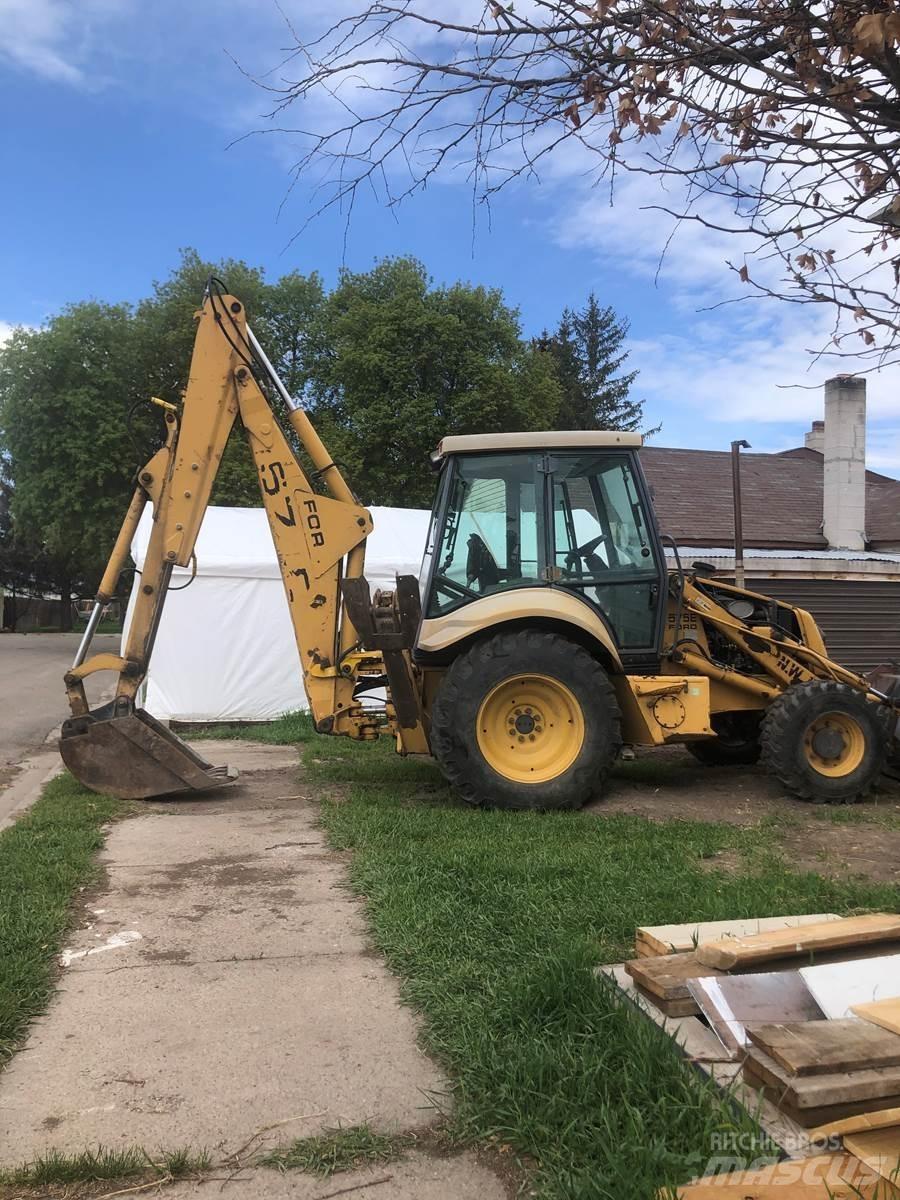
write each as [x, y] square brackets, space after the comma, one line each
[495, 923]
[285, 731]
[90, 1166]
[44, 858]
[339, 1150]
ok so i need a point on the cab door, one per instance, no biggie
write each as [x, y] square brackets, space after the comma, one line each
[606, 548]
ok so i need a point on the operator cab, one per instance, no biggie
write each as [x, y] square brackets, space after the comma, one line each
[549, 510]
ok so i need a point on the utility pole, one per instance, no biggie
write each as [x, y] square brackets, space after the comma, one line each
[736, 448]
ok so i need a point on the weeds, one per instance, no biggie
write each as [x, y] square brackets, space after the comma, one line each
[339, 1150]
[91, 1166]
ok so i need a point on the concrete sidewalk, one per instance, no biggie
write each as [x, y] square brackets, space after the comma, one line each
[221, 983]
[27, 784]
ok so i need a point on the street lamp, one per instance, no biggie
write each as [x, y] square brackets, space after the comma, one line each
[736, 448]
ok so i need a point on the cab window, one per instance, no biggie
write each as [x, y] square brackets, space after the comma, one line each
[492, 530]
[602, 545]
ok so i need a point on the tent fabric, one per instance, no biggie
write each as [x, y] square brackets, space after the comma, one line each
[225, 649]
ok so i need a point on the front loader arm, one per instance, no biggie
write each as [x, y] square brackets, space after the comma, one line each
[781, 661]
[318, 539]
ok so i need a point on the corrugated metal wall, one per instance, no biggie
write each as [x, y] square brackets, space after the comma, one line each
[859, 618]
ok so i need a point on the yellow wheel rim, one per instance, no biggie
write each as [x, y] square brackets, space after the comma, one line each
[530, 728]
[835, 744]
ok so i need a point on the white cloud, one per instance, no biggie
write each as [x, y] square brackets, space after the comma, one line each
[728, 365]
[54, 39]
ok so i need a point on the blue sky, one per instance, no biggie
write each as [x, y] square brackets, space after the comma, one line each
[117, 152]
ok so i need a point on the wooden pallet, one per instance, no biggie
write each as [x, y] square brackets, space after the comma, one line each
[704, 1051]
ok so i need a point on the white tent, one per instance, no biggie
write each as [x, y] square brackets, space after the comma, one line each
[225, 650]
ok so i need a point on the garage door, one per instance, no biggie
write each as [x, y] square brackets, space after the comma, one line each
[859, 618]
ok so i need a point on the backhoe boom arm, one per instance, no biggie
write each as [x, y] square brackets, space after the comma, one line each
[319, 539]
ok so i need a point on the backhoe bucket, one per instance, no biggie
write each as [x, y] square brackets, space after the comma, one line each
[124, 752]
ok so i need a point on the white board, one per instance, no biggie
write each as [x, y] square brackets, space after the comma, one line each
[838, 986]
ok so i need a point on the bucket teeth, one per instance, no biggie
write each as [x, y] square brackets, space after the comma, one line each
[124, 752]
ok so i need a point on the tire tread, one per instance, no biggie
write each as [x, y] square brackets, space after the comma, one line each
[780, 726]
[462, 677]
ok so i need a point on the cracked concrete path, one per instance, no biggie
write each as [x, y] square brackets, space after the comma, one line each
[219, 983]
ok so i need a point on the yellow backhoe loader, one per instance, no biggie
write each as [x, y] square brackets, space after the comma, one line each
[546, 629]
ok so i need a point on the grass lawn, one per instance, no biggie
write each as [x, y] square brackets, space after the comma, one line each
[44, 858]
[285, 731]
[495, 923]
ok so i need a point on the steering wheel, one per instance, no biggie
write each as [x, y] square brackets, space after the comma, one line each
[593, 561]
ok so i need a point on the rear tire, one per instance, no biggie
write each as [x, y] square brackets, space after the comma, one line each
[526, 720]
[825, 741]
[736, 744]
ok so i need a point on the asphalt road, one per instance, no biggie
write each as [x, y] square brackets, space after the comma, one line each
[32, 693]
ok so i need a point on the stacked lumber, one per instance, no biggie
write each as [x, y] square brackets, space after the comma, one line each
[842, 1176]
[866, 1168]
[651, 940]
[733, 1003]
[816, 1073]
[663, 978]
[885, 1013]
[808, 1011]
[847, 933]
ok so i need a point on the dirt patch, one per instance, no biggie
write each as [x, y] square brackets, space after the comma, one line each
[869, 851]
[166, 956]
[254, 791]
[669, 785]
[727, 862]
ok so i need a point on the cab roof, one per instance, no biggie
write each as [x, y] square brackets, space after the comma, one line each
[575, 439]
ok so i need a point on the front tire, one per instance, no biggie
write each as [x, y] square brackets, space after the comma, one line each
[825, 741]
[526, 720]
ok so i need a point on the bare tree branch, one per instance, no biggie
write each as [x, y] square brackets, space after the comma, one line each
[784, 115]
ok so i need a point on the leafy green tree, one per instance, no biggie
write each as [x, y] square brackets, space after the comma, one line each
[164, 337]
[289, 326]
[65, 393]
[587, 351]
[401, 363]
[388, 363]
[24, 576]
[76, 422]
[283, 316]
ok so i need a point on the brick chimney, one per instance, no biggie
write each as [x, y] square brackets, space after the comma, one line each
[844, 473]
[814, 439]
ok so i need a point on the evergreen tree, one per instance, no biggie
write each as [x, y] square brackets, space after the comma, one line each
[587, 351]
